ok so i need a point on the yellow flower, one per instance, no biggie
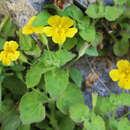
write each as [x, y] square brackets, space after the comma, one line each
[122, 74]
[59, 29]
[9, 53]
[28, 29]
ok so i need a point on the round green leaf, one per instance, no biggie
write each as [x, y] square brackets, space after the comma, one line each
[71, 96]
[31, 108]
[56, 82]
[79, 112]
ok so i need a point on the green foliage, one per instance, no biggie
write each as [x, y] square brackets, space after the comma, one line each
[25, 41]
[9, 29]
[42, 90]
[56, 82]
[2, 41]
[88, 33]
[14, 85]
[120, 2]
[12, 122]
[71, 96]
[31, 108]
[92, 51]
[73, 12]
[76, 76]
[70, 43]
[112, 13]
[41, 19]
[121, 47]
[96, 11]
[79, 112]
[96, 123]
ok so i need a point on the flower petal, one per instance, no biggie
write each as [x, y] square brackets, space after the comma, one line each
[123, 64]
[15, 56]
[54, 21]
[38, 30]
[59, 38]
[31, 20]
[121, 83]
[127, 84]
[10, 46]
[71, 32]
[27, 30]
[114, 74]
[49, 31]
[66, 22]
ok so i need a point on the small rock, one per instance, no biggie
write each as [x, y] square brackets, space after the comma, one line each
[22, 10]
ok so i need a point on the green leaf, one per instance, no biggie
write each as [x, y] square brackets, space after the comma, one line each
[43, 38]
[76, 76]
[73, 11]
[66, 123]
[79, 112]
[83, 23]
[121, 48]
[88, 33]
[35, 51]
[98, 39]
[15, 86]
[24, 127]
[95, 11]
[31, 108]
[92, 51]
[97, 123]
[5, 109]
[26, 42]
[56, 82]
[58, 58]
[70, 97]
[12, 121]
[70, 43]
[33, 76]
[120, 100]
[41, 19]
[104, 105]
[124, 124]
[9, 29]
[18, 67]
[113, 12]
[2, 42]
[120, 2]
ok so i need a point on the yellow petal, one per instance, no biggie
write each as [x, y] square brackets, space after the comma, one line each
[54, 21]
[27, 30]
[114, 74]
[6, 61]
[2, 55]
[123, 64]
[31, 20]
[71, 32]
[121, 83]
[59, 38]
[127, 84]
[4, 58]
[38, 30]
[15, 56]
[48, 31]
[66, 22]
[10, 46]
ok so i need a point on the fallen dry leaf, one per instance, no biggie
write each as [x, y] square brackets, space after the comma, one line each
[60, 3]
[92, 77]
